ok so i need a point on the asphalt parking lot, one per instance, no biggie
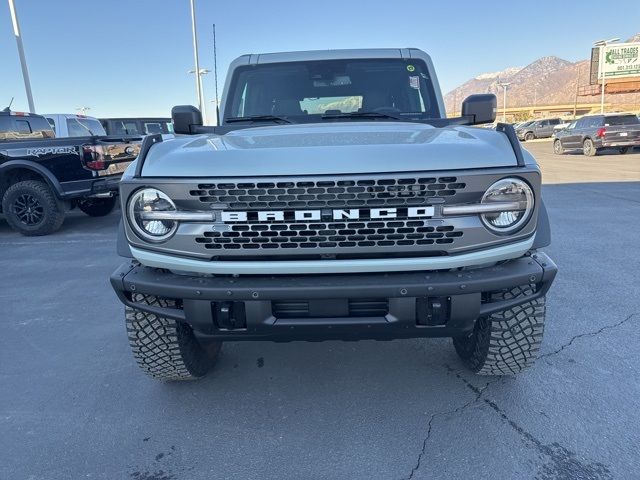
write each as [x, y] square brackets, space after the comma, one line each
[73, 404]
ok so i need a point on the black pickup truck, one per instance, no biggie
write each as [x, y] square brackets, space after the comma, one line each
[42, 177]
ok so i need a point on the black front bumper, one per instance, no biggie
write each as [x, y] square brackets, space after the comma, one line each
[323, 307]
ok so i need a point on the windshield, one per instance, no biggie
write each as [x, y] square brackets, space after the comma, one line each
[81, 127]
[621, 120]
[305, 91]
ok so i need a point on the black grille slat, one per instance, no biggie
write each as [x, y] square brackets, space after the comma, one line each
[343, 235]
[380, 192]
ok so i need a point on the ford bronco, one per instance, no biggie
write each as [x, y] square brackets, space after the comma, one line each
[334, 201]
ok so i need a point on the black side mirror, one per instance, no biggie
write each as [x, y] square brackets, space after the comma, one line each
[481, 107]
[185, 118]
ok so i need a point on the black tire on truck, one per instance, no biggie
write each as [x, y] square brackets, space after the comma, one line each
[588, 148]
[558, 149]
[166, 349]
[97, 207]
[31, 208]
[505, 343]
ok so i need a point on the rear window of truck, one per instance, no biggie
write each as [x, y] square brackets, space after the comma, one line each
[621, 120]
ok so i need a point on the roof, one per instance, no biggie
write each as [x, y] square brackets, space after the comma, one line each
[310, 55]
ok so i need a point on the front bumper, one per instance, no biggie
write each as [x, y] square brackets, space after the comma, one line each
[324, 307]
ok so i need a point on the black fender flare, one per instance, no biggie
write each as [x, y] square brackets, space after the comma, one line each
[543, 228]
[45, 173]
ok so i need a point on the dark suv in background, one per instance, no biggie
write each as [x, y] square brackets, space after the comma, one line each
[594, 132]
[538, 129]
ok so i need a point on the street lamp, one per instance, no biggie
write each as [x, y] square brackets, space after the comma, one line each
[23, 60]
[203, 107]
[195, 54]
[504, 86]
[602, 45]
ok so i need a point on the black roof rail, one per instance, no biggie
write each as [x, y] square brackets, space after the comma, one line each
[147, 143]
[510, 132]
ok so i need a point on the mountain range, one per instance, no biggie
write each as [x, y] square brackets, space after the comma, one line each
[547, 81]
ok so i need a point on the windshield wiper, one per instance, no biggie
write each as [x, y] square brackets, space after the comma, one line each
[365, 115]
[258, 118]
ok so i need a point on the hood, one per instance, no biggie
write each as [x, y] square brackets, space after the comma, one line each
[329, 148]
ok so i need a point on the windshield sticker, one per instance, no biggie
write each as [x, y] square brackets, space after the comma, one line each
[411, 68]
[414, 82]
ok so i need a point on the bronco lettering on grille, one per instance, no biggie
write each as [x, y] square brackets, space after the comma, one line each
[336, 214]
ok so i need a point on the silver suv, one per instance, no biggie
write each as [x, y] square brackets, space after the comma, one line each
[335, 201]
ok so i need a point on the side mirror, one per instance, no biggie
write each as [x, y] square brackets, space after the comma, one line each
[184, 118]
[481, 107]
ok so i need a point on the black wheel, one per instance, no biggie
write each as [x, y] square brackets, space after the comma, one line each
[558, 149]
[505, 343]
[624, 150]
[97, 207]
[529, 136]
[164, 348]
[31, 208]
[588, 148]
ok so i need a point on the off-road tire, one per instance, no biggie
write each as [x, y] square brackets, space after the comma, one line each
[505, 343]
[166, 349]
[558, 149]
[588, 148]
[49, 209]
[97, 207]
[529, 136]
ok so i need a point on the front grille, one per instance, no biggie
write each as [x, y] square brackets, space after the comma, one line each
[327, 193]
[338, 235]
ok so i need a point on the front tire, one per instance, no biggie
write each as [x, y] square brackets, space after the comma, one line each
[624, 150]
[588, 148]
[166, 349]
[97, 207]
[32, 209]
[558, 149]
[505, 343]
[529, 136]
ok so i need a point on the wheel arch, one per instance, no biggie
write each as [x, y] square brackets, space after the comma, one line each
[18, 170]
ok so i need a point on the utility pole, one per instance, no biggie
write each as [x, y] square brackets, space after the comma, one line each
[215, 74]
[504, 86]
[203, 110]
[195, 56]
[602, 46]
[575, 101]
[23, 60]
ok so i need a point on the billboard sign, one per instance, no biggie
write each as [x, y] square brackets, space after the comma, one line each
[620, 60]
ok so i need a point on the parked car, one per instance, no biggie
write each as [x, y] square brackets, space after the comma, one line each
[537, 129]
[70, 125]
[592, 133]
[343, 205]
[137, 126]
[41, 177]
[561, 126]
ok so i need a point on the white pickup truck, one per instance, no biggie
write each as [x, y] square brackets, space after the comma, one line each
[69, 125]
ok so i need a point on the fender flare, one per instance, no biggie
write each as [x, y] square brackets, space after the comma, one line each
[49, 177]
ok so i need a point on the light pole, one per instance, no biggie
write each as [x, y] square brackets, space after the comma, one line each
[504, 86]
[23, 60]
[195, 54]
[602, 45]
[201, 72]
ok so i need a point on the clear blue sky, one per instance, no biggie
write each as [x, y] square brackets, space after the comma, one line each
[131, 57]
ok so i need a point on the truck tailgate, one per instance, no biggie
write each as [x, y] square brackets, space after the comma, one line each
[110, 156]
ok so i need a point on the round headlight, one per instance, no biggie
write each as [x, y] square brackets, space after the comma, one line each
[515, 192]
[146, 201]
